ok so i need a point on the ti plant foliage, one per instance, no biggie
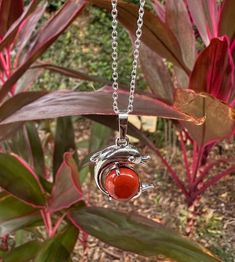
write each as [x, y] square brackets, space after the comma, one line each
[197, 92]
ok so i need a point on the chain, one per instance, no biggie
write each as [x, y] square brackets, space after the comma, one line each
[114, 14]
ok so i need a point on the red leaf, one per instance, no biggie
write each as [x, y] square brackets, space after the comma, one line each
[27, 80]
[9, 130]
[45, 37]
[11, 106]
[27, 30]
[205, 16]
[55, 26]
[159, 9]
[178, 20]
[219, 118]
[69, 72]
[66, 190]
[156, 34]
[10, 11]
[181, 78]
[156, 74]
[214, 70]
[227, 19]
[232, 48]
[12, 32]
[67, 103]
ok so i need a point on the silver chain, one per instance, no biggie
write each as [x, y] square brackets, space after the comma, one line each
[114, 14]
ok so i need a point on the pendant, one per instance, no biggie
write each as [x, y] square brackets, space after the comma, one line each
[114, 167]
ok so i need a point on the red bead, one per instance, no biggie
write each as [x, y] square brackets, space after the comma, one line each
[123, 186]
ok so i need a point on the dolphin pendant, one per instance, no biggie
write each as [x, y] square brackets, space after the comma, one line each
[114, 170]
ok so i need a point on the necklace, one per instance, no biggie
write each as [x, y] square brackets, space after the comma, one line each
[114, 166]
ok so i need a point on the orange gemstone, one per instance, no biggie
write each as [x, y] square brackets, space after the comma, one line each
[123, 186]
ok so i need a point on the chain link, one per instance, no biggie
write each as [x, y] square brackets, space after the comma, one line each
[114, 14]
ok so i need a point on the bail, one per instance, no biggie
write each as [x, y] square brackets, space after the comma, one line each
[122, 140]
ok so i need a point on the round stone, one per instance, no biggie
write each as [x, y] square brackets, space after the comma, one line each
[122, 186]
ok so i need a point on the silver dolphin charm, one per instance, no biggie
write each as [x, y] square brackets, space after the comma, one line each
[113, 157]
[121, 156]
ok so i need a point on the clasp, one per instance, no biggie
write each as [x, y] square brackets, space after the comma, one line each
[122, 140]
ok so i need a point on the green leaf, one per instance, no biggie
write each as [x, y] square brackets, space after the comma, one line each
[58, 249]
[20, 237]
[36, 151]
[83, 174]
[64, 141]
[23, 253]
[17, 178]
[15, 214]
[2, 253]
[68, 237]
[100, 134]
[52, 251]
[137, 234]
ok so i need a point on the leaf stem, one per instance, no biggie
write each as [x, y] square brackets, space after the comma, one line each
[8, 60]
[84, 237]
[197, 156]
[205, 170]
[184, 151]
[47, 221]
[44, 219]
[232, 104]
[5, 244]
[2, 78]
[172, 172]
[3, 62]
[215, 179]
[50, 227]
[57, 224]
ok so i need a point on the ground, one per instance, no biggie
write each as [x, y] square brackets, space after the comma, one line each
[165, 204]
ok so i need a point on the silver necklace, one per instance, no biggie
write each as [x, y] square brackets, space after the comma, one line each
[114, 166]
